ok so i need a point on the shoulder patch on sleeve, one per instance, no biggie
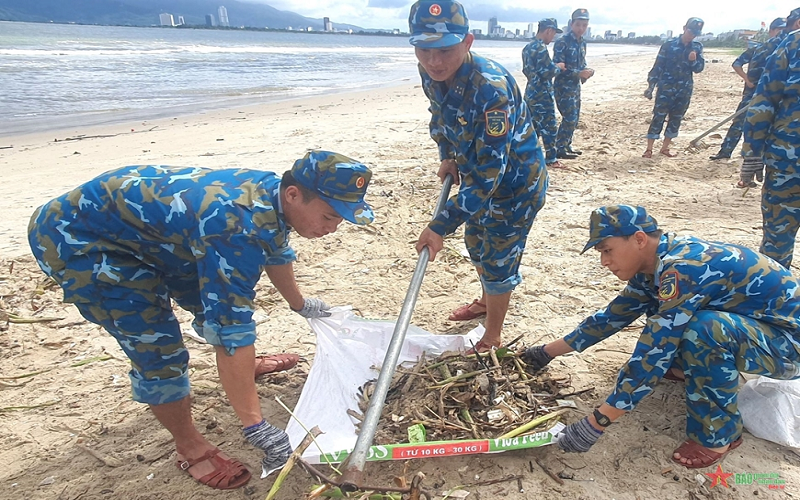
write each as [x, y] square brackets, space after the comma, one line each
[668, 289]
[496, 123]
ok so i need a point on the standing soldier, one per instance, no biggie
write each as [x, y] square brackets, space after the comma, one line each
[677, 59]
[571, 51]
[488, 145]
[540, 70]
[772, 136]
[755, 58]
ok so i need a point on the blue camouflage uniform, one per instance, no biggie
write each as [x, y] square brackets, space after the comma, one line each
[540, 70]
[756, 59]
[572, 52]
[672, 74]
[127, 242]
[482, 122]
[714, 310]
[772, 132]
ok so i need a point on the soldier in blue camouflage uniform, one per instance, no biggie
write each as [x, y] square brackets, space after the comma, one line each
[755, 58]
[488, 144]
[125, 244]
[677, 60]
[714, 310]
[540, 70]
[570, 50]
[772, 137]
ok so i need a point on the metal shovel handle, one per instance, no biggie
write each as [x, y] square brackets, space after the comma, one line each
[718, 125]
[354, 465]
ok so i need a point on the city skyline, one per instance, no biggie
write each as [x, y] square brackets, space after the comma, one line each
[625, 15]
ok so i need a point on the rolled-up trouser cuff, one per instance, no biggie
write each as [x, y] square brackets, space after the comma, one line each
[229, 336]
[159, 392]
[653, 136]
[501, 287]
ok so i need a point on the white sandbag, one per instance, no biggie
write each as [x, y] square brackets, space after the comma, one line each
[771, 410]
[350, 349]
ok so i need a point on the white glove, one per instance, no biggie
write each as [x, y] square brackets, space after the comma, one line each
[313, 308]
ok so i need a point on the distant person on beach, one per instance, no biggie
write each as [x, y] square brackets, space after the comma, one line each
[678, 59]
[713, 310]
[488, 145]
[540, 70]
[570, 50]
[772, 137]
[127, 243]
[755, 58]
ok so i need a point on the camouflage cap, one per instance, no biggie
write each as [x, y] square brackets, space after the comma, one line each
[695, 25]
[437, 24]
[793, 16]
[340, 181]
[777, 23]
[580, 14]
[618, 220]
[549, 22]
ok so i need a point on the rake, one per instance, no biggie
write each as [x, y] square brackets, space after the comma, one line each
[697, 143]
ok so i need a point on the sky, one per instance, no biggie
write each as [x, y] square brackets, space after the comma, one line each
[643, 18]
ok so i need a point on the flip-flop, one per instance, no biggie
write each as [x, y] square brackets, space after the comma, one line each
[464, 313]
[667, 153]
[648, 153]
[742, 185]
[556, 164]
[227, 474]
[275, 363]
[700, 455]
[482, 347]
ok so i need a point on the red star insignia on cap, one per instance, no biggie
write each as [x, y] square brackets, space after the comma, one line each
[435, 9]
[719, 477]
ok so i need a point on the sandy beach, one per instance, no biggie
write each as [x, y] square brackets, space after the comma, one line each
[71, 430]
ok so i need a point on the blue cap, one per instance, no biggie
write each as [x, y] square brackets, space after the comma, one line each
[695, 25]
[777, 23]
[549, 22]
[439, 24]
[339, 181]
[580, 14]
[793, 16]
[618, 220]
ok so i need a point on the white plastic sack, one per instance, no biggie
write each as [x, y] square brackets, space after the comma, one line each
[350, 350]
[771, 410]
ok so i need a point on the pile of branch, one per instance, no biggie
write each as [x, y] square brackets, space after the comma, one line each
[455, 396]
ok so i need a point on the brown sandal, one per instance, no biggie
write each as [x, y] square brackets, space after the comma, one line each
[648, 153]
[667, 153]
[464, 313]
[227, 474]
[700, 455]
[742, 185]
[275, 363]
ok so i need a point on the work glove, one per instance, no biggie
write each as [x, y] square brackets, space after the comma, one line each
[313, 308]
[752, 165]
[578, 436]
[273, 441]
[536, 358]
[649, 92]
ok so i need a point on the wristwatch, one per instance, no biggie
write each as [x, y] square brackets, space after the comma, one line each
[602, 420]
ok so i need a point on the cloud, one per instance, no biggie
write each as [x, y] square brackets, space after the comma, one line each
[388, 4]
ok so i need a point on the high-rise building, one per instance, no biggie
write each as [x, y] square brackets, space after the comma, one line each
[166, 19]
[181, 22]
[492, 26]
[632, 34]
[327, 25]
[531, 29]
[210, 21]
[223, 16]
[589, 32]
[669, 33]
[619, 34]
